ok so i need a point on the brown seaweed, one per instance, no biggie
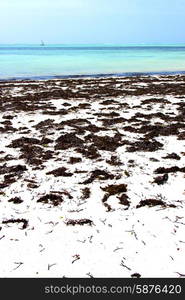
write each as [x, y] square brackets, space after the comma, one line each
[79, 222]
[53, 199]
[60, 172]
[24, 221]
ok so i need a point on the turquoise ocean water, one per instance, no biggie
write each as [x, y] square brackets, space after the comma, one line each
[35, 61]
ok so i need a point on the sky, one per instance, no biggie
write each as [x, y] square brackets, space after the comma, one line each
[92, 21]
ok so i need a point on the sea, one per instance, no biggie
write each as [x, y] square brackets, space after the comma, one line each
[61, 61]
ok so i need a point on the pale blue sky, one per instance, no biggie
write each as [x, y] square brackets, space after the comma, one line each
[92, 21]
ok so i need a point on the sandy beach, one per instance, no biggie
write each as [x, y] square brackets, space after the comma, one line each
[92, 177]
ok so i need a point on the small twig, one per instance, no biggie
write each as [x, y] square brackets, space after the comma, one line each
[81, 241]
[90, 238]
[117, 249]
[123, 265]
[19, 264]
[178, 218]
[49, 232]
[42, 248]
[75, 210]
[132, 232]
[90, 275]
[52, 223]
[50, 265]
[180, 223]
[103, 221]
[180, 274]
[76, 257]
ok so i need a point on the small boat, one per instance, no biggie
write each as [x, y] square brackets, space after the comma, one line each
[42, 43]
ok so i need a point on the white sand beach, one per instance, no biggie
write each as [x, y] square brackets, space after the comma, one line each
[92, 177]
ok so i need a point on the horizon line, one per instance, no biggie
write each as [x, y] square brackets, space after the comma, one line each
[96, 44]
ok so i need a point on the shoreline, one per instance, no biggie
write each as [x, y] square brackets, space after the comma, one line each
[92, 177]
[96, 76]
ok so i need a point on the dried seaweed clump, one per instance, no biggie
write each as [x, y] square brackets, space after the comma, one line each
[22, 141]
[79, 222]
[172, 156]
[53, 199]
[114, 161]
[123, 200]
[98, 174]
[24, 221]
[44, 125]
[35, 155]
[13, 171]
[16, 200]
[74, 160]
[154, 202]
[67, 141]
[106, 142]
[145, 145]
[18, 169]
[114, 189]
[173, 169]
[136, 275]
[60, 172]
[88, 151]
[161, 179]
[86, 193]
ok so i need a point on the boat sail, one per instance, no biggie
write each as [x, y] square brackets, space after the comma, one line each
[42, 43]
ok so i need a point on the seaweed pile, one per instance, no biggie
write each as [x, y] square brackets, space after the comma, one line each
[107, 152]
